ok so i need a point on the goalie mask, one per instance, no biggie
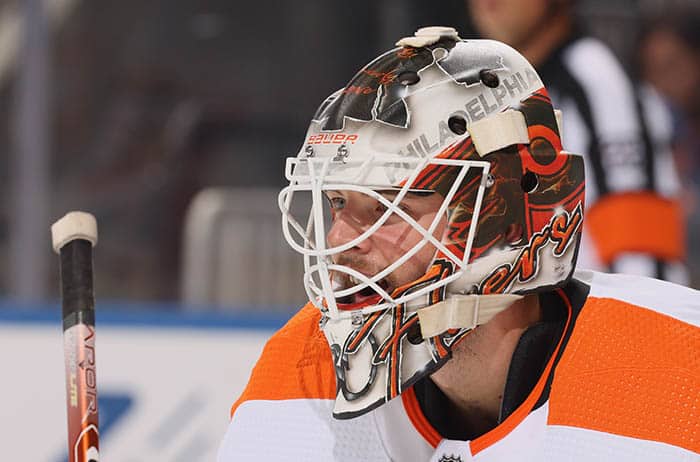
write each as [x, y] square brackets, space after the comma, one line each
[430, 193]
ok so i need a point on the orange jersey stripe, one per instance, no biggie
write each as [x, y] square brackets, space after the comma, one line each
[516, 418]
[423, 426]
[632, 372]
[417, 418]
[295, 363]
[636, 222]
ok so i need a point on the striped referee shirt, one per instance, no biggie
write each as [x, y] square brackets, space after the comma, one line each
[634, 221]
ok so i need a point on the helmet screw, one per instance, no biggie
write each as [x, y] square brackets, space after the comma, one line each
[490, 180]
[309, 151]
[357, 319]
[323, 321]
[559, 269]
[342, 154]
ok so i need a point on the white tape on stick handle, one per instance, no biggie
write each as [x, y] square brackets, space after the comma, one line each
[74, 225]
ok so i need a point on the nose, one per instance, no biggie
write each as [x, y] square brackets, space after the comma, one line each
[344, 229]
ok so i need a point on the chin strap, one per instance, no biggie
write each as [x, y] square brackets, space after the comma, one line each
[462, 311]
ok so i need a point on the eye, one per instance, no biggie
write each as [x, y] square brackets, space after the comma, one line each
[336, 202]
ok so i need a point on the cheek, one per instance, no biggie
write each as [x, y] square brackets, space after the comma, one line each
[399, 238]
[396, 238]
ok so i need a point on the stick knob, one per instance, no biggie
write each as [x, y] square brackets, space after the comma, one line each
[74, 225]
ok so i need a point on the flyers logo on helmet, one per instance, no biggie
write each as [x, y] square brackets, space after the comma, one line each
[562, 230]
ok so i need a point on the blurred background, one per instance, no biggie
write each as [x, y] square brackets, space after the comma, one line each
[128, 109]
[170, 120]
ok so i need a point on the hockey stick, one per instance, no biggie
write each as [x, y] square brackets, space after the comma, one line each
[73, 237]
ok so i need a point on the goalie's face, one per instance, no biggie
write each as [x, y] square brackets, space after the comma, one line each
[353, 213]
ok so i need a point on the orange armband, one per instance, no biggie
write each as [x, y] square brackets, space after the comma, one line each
[636, 222]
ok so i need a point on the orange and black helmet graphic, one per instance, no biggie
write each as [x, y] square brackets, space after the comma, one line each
[377, 91]
[528, 185]
[374, 93]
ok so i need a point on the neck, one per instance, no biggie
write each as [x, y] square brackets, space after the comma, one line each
[474, 379]
[545, 37]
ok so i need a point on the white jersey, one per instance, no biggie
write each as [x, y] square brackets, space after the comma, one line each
[634, 219]
[621, 382]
